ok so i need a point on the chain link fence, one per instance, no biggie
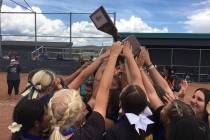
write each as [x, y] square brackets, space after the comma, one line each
[194, 62]
[76, 28]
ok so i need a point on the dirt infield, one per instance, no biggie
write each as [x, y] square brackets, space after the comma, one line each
[7, 105]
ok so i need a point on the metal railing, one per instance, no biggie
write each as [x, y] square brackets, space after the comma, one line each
[75, 53]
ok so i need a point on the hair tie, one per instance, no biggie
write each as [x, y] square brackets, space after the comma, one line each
[14, 127]
[69, 131]
[32, 90]
[37, 87]
[140, 121]
[57, 128]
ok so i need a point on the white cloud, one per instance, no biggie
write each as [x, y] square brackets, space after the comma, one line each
[23, 24]
[201, 3]
[85, 28]
[135, 24]
[16, 23]
[199, 21]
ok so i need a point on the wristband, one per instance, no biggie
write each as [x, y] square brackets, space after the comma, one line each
[150, 67]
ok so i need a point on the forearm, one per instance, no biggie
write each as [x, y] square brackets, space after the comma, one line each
[147, 84]
[154, 74]
[159, 80]
[71, 77]
[95, 88]
[103, 90]
[155, 101]
[75, 84]
[93, 66]
[135, 74]
[127, 72]
[97, 78]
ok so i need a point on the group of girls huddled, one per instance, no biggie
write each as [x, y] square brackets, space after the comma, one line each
[129, 101]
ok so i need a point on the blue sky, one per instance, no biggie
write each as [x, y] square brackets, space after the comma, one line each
[171, 16]
[157, 13]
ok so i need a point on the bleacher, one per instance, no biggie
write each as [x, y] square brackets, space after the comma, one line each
[60, 67]
[27, 64]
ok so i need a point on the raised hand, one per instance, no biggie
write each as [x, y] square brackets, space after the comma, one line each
[184, 85]
[140, 58]
[86, 64]
[127, 50]
[168, 98]
[146, 56]
[105, 55]
[116, 48]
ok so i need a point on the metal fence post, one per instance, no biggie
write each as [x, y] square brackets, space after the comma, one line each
[70, 30]
[172, 55]
[199, 66]
[35, 28]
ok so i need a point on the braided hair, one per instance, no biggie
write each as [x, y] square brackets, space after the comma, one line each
[65, 108]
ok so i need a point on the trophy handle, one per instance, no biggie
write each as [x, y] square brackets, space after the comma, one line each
[116, 36]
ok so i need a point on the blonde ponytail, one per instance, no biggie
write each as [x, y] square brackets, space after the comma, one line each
[65, 109]
[40, 81]
[56, 134]
[44, 78]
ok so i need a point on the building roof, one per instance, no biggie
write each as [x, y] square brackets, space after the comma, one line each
[181, 40]
[199, 36]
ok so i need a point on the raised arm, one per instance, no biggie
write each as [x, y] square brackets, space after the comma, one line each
[72, 76]
[75, 84]
[155, 75]
[134, 73]
[128, 75]
[103, 90]
[98, 77]
[155, 101]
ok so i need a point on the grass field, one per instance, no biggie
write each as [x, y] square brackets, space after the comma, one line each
[6, 106]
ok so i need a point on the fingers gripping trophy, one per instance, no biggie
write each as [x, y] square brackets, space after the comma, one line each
[103, 22]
